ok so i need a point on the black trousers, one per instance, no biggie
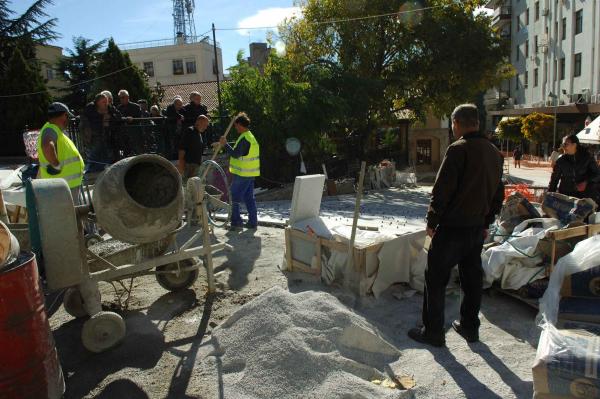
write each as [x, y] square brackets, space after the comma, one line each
[452, 246]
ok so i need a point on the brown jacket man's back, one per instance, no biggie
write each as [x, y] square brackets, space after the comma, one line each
[468, 190]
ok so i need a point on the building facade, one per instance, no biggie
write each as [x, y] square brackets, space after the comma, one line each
[48, 56]
[554, 50]
[175, 62]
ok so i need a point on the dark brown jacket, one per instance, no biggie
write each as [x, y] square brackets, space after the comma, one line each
[468, 190]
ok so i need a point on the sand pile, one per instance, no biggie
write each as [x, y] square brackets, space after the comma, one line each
[306, 345]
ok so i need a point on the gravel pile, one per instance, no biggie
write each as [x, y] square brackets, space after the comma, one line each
[306, 345]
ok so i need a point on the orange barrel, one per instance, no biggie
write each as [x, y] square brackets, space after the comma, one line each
[29, 366]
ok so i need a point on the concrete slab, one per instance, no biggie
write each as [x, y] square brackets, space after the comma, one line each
[306, 200]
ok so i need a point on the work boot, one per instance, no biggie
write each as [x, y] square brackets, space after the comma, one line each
[235, 227]
[469, 336]
[419, 335]
[250, 226]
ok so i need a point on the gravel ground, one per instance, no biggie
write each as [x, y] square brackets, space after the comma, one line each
[167, 350]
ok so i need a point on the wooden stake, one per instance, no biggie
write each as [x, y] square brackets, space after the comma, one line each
[3, 213]
[361, 181]
[218, 147]
[210, 276]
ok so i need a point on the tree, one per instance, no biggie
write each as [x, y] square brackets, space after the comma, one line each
[538, 127]
[116, 72]
[424, 60]
[78, 68]
[31, 110]
[510, 129]
[280, 108]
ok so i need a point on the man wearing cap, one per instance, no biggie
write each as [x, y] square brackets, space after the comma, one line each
[59, 158]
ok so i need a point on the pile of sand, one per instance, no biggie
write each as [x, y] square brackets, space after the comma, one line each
[284, 345]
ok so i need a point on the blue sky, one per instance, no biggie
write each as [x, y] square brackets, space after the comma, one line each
[138, 20]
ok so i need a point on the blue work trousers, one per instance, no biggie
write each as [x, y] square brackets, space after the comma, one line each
[242, 190]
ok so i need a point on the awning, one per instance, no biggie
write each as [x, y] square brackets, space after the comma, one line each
[591, 134]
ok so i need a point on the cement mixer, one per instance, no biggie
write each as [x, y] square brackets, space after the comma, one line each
[139, 202]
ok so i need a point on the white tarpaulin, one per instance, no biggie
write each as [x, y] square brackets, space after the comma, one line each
[591, 133]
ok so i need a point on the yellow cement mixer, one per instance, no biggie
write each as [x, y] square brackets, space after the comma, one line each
[140, 203]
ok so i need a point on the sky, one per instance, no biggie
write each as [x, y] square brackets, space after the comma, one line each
[139, 20]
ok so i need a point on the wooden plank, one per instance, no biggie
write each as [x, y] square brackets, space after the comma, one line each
[335, 245]
[359, 192]
[303, 267]
[568, 233]
[373, 248]
[303, 236]
[534, 303]
[288, 249]
[318, 255]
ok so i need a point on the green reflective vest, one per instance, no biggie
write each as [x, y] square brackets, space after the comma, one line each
[248, 165]
[70, 162]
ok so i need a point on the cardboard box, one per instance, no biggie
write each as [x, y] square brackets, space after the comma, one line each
[567, 365]
[579, 309]
[582, 284]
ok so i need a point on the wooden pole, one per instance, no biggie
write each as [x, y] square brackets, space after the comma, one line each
[218, 147]
[361, 181]
[3, 213]
[210, 276]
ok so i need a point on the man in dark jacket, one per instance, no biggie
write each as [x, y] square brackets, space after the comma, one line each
[193, 109]
[467, 194]
[127, 108]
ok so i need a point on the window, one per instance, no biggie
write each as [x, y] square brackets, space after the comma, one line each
[518, 82]
[537, 10]
[562, 69]
[526, 48]
[535, 77]
[149, 68]
[564, 29]
[423, 152]
[517, 56]
[526, 85]
[535, 44]
[527, 17]
[577, 65]
[190, 66]
[177, 67]
[578, 22]
[49, 73]
[556, 29]
[555, 70]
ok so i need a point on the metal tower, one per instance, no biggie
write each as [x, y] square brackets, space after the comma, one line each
[183, 20]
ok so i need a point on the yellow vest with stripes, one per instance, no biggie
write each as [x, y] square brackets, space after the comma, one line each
[247, 165]
[70, 162]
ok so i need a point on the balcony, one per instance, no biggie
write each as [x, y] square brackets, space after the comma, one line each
[501, 16]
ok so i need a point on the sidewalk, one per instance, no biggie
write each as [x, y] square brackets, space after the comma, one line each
[528, 175]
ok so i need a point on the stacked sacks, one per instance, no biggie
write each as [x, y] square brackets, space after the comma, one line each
[568, 209]
[567, 362]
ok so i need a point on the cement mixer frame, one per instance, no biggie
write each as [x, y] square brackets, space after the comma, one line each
[70, 265]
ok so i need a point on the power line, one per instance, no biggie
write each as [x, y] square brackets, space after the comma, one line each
[68, 87]
[334, 21]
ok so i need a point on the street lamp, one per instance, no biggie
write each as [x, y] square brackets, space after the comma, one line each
[554, 97]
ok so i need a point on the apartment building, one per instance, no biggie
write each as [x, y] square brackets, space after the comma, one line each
[48, 56]
[175, 61]
[554, 50]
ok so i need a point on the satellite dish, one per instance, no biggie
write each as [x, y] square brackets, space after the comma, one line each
[292, 146]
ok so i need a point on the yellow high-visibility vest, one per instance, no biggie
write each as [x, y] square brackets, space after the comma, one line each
[248, 165]
[70, 162]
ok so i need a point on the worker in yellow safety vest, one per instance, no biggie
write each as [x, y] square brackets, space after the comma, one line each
[244, 165]
[59, 158]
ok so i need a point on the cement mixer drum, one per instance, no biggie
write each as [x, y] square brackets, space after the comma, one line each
[139, 199]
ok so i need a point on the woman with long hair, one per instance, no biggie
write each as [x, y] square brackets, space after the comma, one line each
[575, 173]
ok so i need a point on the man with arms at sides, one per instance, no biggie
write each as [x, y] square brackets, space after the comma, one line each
[467, 194]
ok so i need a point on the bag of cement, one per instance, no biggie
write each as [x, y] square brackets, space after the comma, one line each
[567, 209]
[567, 364]
[585, 256]
[515, 210]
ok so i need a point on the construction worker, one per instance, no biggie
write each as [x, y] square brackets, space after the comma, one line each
[244, 165]
[59, 158]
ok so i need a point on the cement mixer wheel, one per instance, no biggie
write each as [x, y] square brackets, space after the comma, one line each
[73, 303]
[92, 239]
[172, 281]
[102, 331]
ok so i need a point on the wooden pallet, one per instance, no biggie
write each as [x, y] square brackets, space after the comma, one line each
[555, 236]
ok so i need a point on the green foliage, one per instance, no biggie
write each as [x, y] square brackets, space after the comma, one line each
[18, 112]
[78, 68]
[130, 77]
[280, 108]
[419, 61]
[510, 129]
[538, 127]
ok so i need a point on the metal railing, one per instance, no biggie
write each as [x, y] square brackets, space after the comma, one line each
[166, 42]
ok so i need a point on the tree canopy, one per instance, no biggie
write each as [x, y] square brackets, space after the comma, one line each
[538, 127]
[510, 129]
[78, 68]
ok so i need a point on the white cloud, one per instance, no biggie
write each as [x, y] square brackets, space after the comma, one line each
[267, 17]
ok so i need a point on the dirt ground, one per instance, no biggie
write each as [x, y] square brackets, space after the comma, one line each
[164, 354]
